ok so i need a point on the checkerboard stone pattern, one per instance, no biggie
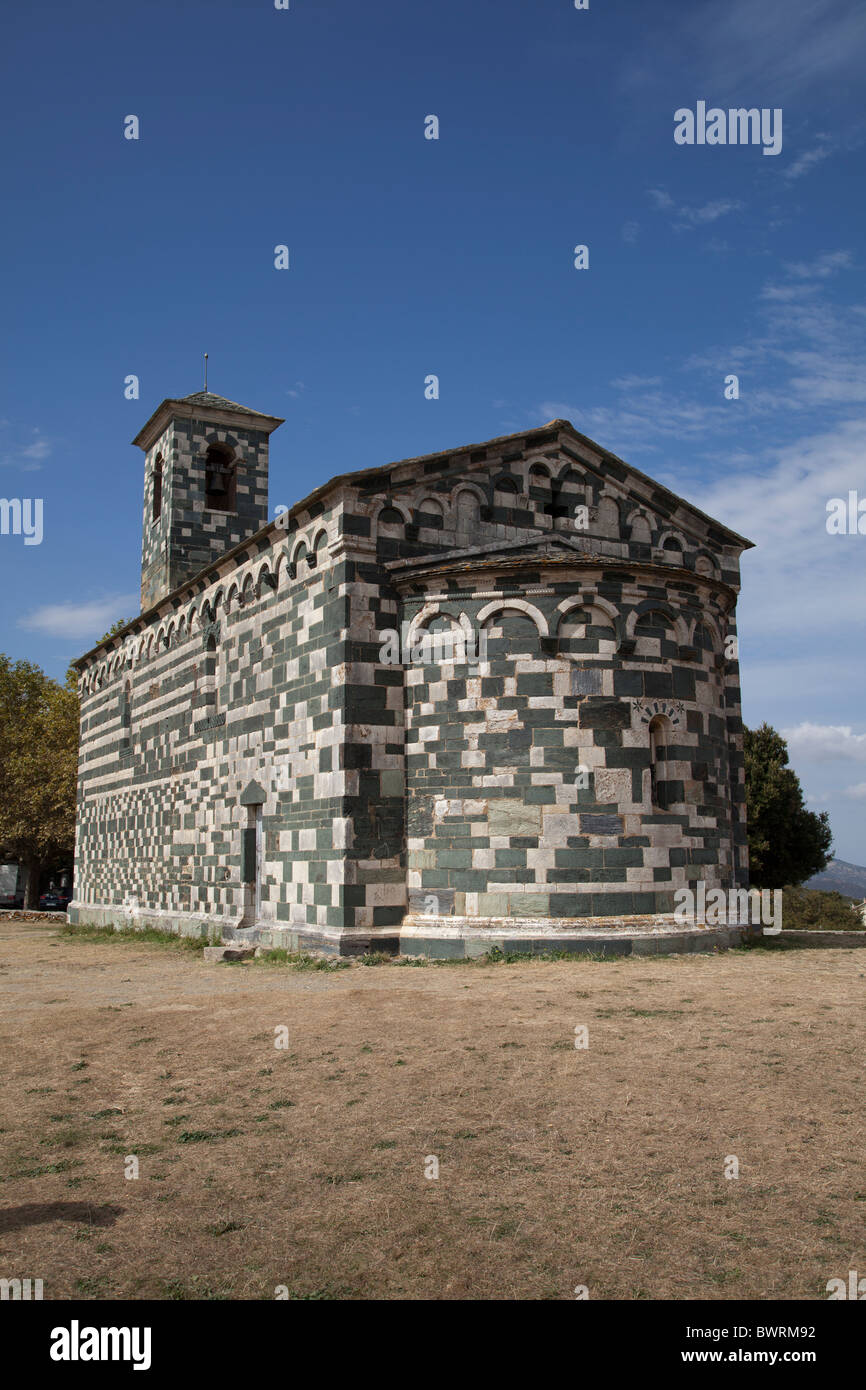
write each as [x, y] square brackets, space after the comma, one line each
[188, 535]
[575, 764]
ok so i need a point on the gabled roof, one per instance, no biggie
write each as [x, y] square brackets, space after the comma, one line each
[548, 433]
[209, 399]
[611, 464]
[188, 406]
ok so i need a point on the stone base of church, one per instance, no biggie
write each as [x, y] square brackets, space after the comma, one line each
[442, 938]
[458, 938]
[121, 918]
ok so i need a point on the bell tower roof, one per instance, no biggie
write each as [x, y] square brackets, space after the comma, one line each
[217, 408]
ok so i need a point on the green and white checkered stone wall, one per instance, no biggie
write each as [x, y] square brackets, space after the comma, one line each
[188, 535]
[396, 797]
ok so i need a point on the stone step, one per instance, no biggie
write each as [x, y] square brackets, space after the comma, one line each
[213, 953]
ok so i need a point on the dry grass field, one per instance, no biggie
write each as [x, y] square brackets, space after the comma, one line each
[305, 1166]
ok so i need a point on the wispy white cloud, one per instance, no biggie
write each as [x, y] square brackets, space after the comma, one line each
[85, 621]
[40, 449]
[708, 212]
[633, 382]
[821, 267]
[686, 216]
[774, 47]
[641, 423]
[802, 588]
[806, 161]
[26, 458]
[825, 743]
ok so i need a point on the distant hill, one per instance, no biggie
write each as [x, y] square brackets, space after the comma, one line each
[840, 877]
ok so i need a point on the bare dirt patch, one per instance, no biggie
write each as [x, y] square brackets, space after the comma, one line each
[305, 1167]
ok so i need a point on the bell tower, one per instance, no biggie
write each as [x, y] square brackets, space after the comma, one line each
[205, 486]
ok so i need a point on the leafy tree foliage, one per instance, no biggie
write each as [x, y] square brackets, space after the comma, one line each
[115, 627]
[814, 909]
[38, 769]
[787, 843]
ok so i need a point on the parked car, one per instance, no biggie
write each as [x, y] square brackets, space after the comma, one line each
[55, 900]
[11, 899]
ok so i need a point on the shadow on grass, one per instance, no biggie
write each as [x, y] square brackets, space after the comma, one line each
[39, 1213]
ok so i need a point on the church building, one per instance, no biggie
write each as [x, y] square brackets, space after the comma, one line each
[488, 696]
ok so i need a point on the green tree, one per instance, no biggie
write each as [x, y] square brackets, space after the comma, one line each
[115, 627]
[787, 843]
[72, 674]
[38, 769]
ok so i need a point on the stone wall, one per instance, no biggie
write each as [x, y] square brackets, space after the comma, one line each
[529, 774]
[188, 536]
[605, 600]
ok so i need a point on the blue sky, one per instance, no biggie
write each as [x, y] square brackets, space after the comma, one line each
[454, 257]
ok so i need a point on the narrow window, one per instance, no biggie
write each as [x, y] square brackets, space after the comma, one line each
[252, 865]
[220, 479]
[126, 717]
[157, 487]
[659, 731]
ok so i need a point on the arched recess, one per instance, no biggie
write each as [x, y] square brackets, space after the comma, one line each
[390, 520]
[587, 629]
[571, 477]
[705, 565]
[584, 599]
[467, 505]
[429, 512]
[499, 605]
[669, 617]
[265, 579]
[281, 566]
[437, 637]
[570, 490]
[608, 516]
[673, 544]
[641, 530]
[433, 609]
[507, 485]
[706, 635]
[299, 555]
[220, 469]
